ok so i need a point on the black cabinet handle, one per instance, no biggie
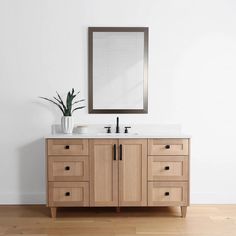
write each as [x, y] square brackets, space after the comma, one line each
[67, 194]
[114, 152]
[167, 147]
[67, 147]
[167, 193]
[67, 168]
[121, 152]
[167, 167]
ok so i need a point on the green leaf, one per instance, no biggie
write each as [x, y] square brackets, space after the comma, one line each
[78, 101]
[47, 99]
[69, 101]
[77, 108]
[62, 103]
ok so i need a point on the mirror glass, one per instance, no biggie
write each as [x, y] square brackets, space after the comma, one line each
[118, 70]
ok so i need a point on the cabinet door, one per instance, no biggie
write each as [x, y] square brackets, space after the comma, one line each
[104, 172]
[133, 172]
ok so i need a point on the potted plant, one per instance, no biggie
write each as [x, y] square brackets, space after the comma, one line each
[67, 109]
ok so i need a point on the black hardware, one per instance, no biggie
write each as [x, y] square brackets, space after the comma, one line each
[126, 129]
[121, 152]
[67, 168]
[117, 125]
[108, 129]
[114, 152]
[167, 147]
[167, 167]
[67, 147]
[67, 194]
[167, 193]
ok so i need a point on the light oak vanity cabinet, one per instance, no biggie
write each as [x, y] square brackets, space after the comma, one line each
[117, 172]
[168, 173]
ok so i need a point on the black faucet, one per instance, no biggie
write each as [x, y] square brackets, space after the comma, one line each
[117, 125]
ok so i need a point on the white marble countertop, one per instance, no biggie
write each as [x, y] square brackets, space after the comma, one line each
[117, 136]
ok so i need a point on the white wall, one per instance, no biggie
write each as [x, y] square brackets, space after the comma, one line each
[192, 73]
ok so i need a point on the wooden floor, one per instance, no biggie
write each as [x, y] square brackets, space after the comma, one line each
[201, 220]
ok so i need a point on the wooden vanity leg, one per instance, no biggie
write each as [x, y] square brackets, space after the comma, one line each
[53, 212]
[118, 209]
[183, 211]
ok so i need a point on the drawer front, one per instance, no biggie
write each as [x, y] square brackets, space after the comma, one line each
[68, 168]
[167, 193]
[68, 194]
[168, 147]
[167, 168]
[67, 147]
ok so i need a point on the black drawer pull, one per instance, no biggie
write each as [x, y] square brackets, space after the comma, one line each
[67, 194]
[167, 193]
[167, 167]
[67, 168]
[167, 147]
[67, 147]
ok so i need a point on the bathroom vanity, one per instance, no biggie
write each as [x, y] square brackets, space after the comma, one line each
[117, 171]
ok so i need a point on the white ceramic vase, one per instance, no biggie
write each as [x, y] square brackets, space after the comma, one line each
[67, 124]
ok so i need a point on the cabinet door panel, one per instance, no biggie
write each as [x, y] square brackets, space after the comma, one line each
[104, 173]
[133, 172]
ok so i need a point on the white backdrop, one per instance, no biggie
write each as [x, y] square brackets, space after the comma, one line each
[192, 74]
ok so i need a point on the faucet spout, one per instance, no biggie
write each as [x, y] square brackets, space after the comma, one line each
[117, 125]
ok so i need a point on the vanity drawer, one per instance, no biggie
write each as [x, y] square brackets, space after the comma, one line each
[167, 193]
[68, 168]
[68, 194]
[67, 147]
[167, 168]
[167, 147]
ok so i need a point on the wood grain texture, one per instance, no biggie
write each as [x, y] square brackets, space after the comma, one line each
[168, 168]
[175, 147]
[67, 147]
[177, 193]
[103, 172]
[68, 194]
[183, 211]
[88, 171]
[68, 168]
[53, 212]
[133, 173]
[202, 220]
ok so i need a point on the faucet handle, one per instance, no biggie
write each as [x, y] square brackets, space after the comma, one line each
[108, 129]
[126, 129]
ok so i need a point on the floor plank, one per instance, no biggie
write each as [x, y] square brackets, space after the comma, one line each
[201, 220]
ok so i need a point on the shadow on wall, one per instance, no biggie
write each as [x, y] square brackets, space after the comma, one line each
[32, 173]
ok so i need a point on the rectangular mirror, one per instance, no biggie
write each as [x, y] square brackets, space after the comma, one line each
[118, 66]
